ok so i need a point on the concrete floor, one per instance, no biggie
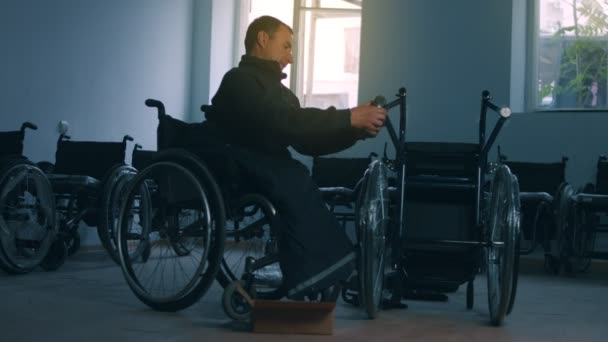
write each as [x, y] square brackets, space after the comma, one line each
[88, 300]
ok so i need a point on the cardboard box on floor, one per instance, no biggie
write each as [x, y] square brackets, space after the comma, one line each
[290, 317]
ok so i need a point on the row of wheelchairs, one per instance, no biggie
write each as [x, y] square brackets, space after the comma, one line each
[563, 220]
[43, 204]
[424, 220]
[429, 219]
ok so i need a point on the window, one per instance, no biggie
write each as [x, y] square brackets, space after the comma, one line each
[326, 47]
[571, 49]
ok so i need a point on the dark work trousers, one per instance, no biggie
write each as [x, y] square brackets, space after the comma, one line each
[314, 250]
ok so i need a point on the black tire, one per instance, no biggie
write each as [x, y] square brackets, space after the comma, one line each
[582, 239]
[73, 241]
[56, 255]
[563, 222]
[371, 219]
[234, 304]
[516, 257]
[27, 216]
[470, 294]
[114, 189]
[184, 186]
[503, 229]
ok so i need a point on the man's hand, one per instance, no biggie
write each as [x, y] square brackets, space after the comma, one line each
[368, 118]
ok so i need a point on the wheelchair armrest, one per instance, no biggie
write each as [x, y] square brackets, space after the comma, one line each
[69, 183]
[592, 200]
[338, 190]
[535, 197]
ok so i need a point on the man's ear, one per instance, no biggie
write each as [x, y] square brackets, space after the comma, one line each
[262, 39]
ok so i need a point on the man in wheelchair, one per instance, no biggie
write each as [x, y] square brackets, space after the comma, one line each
[260, 117]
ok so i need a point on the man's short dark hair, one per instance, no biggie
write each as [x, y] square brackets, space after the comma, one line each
[264, 23]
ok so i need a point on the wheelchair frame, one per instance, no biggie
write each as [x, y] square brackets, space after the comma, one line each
[83, 193]
[400, 245]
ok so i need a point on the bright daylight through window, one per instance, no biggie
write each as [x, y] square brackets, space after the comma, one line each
[571, 54]
[326, 47]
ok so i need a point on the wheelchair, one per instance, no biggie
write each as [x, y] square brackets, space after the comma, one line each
[200, 224]
[579, 215]
[86, 179]
[27, 207]
[539, 185]
[445, 225]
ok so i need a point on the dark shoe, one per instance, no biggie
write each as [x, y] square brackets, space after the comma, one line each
[335, 273]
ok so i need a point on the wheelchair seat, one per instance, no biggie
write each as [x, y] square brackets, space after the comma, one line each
[67, 183]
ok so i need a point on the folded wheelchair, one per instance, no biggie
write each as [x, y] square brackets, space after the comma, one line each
[444, 225]
[580, 217]
[27, 207]
[539, 184]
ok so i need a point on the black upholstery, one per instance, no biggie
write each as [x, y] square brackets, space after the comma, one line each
[142, 158]
[538, 177]
[11, 143]
[87, 158]
[338, 172]
[203, 140]
[602, 176]
[453, 160]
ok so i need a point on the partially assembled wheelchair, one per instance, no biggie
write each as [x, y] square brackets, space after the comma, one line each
[87, 178]
[27, 207]
[446, 222]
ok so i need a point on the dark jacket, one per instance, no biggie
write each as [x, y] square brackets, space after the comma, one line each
[252, 108]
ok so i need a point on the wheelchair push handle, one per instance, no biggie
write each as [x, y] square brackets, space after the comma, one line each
[504, 112]
[205, 108]
[152, 103]
[127, 138]
[29, 125]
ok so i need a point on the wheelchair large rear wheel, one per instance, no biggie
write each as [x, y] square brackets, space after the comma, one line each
[371, 219]
[503, 230]
[185, 210]
[27, 216]
[112, 198]
[582, 239]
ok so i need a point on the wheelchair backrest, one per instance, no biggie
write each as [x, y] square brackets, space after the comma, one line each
[88, 158]
[338, 172]
[538, 177]
[142, 158]
[459, 160]
[11, 143]
[174, 133]
[602, 176]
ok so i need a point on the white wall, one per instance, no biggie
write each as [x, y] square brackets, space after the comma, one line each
[445, 53]
[92, 63]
